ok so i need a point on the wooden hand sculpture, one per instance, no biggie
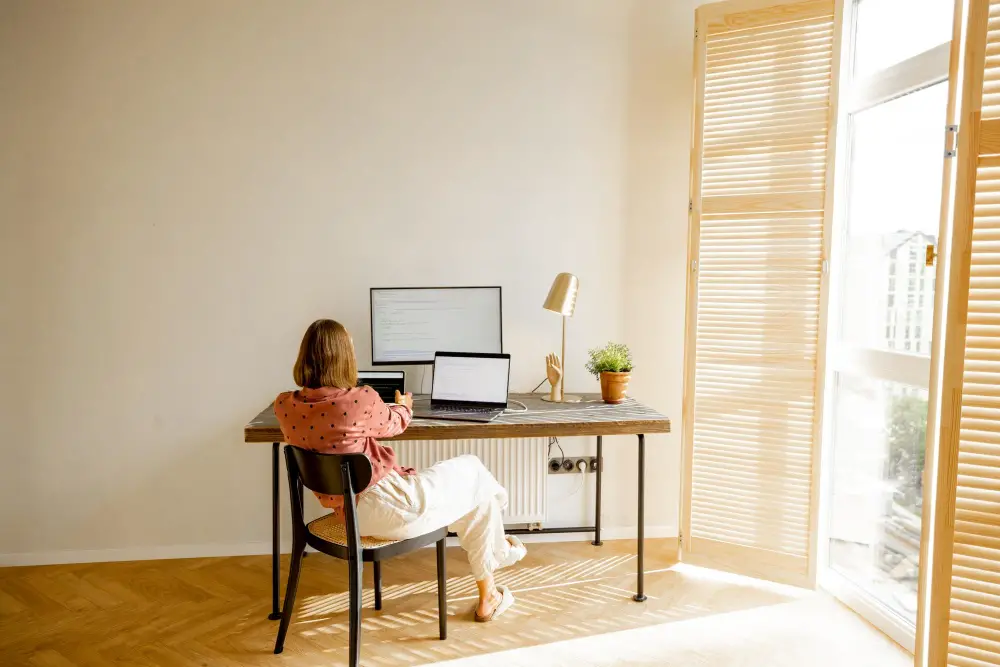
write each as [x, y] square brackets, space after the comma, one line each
[553, 371]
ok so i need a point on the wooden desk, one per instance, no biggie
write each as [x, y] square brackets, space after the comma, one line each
[590, 417]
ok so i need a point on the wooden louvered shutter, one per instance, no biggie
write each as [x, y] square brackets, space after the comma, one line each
[964, 614]
[761, 164]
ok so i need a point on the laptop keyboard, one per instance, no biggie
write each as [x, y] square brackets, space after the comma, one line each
[457, 408]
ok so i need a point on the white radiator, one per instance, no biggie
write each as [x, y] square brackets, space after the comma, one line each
[519, 464]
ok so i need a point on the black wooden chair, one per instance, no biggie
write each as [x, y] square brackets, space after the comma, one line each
[340, 474]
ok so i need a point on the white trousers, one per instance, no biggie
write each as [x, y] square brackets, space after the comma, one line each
[459, 493]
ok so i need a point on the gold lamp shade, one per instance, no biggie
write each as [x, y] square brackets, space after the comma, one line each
[562, 295]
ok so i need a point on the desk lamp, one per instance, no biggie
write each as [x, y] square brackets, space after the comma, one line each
[562, 300]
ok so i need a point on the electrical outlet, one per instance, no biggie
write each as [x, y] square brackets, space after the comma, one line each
[570, 465]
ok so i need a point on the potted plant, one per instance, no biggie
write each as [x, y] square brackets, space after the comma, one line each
[612, 365]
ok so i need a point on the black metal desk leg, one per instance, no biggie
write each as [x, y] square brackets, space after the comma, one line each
[597, 510]
[640, 596]
[275, 534]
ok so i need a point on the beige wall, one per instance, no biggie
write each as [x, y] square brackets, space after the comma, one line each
[184, 186]
[661, 90]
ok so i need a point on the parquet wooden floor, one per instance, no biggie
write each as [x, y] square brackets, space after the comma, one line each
[213, 611]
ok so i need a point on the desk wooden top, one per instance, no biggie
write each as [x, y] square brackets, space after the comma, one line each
[591, 416]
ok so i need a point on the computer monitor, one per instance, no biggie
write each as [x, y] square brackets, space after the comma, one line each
[410, 324]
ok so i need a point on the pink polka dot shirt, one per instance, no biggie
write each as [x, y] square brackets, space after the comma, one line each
[343, 421]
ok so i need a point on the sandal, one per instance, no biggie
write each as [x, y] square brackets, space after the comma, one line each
[506, 602]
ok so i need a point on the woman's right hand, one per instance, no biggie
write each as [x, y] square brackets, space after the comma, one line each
[404, 399]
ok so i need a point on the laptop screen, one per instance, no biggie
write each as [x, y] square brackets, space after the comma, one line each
[385, 383]
[471, 378]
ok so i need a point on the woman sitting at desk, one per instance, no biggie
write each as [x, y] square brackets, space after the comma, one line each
[331, 415]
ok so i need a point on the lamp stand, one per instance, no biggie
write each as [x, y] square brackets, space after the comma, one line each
[562, 379]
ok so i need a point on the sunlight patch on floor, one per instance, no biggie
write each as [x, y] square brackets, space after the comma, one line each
[696, 573]
[813, 630]
[464, 588]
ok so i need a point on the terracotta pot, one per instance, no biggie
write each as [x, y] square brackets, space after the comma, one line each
[614, 386]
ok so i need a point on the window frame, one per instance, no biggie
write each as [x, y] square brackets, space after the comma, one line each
[925, 69]
[918, 72]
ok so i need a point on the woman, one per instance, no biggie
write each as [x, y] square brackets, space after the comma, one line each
[332, 415]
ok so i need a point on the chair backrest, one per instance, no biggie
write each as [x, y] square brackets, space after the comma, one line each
[333, 474]
[322, 472]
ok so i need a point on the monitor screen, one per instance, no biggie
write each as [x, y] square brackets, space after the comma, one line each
[410, 324]
[471, 379]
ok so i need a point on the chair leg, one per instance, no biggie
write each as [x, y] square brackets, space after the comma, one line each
[442, 590]
[378, 585]
[354, 575]
[290, 590]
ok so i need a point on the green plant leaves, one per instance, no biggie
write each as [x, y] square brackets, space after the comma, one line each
[612, 358]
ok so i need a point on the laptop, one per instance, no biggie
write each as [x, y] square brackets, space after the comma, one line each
[467, 387]
[385, 383]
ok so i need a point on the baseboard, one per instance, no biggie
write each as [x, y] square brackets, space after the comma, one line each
[262, 548]
[137, 553]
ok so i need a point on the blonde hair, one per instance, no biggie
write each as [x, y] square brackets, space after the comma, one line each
[326, 357]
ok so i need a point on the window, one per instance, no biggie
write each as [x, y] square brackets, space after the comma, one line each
[892, 268]
[892, 179]
[911, 32]
[921, 300]
[916, 331]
